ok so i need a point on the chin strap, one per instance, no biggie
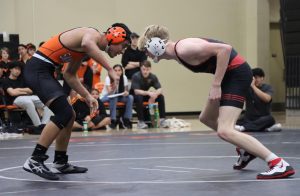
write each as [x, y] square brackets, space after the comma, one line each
[155, 59]
[107, 48]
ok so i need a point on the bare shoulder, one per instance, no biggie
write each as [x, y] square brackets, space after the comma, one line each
[190, 46]
[79, 32]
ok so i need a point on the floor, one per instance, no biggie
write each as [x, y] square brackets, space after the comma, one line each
[189, 161]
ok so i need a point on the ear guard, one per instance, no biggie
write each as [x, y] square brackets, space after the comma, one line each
[155, 46]
[115, 35]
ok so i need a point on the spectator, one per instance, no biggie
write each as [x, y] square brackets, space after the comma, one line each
[141, 83]
[22, 51]
[20, 95]
[31, 49]
[2, 73]
[96, 68]
[84, 74]
[132, 58]
[5, 59]
[258, 106]
[124, 97]
[97, 120]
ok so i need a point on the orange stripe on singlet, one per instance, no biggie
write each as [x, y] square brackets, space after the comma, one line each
[53, 49]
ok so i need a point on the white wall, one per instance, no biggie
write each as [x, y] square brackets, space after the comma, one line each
[242, 23]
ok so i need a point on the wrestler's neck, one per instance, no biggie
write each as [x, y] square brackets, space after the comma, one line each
[102, 43]
[170, 51]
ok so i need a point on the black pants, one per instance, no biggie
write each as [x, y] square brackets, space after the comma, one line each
[139, 99]
[256, 124]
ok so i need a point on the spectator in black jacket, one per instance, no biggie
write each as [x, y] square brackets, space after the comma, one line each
[132, 58]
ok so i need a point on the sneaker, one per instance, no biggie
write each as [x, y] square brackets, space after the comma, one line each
[67, 168]
[36, 166]
[113, 124]
[121, 124]
[244, 159]
[142, 125]
[127, 123]
[279, 168]
[275, 128]
[239, 128]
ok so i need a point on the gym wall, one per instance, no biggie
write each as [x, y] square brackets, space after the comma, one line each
[242, 23]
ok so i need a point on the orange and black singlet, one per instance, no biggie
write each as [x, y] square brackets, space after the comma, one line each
[54, 51]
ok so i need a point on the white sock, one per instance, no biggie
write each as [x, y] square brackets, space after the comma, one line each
[271, 157]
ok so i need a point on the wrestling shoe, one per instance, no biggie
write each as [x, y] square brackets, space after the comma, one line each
[35, 165]
[279, 168]
[244, 159]
[67, 168]
[63, 167]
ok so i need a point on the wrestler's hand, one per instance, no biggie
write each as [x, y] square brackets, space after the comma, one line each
[114, 79]
[92, 103]
[215, 92]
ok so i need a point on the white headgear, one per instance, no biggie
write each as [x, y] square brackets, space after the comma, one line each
[156, 46]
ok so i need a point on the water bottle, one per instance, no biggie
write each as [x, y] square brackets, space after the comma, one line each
[152, 113]
[156, 115]
[85, 128]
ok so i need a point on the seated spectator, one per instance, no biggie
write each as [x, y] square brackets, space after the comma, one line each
[4, 60]
[96, 68]
[257, 116]
[125, 121]
[84, 74]
[20, 95]
[31, 49]
[2, 73]
[97, 120]
[22, 51]
[142, 82]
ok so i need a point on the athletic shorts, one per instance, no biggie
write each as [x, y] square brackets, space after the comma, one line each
[235, 86]
[39, 76]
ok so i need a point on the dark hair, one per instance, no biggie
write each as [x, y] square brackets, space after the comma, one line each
[121, 81]
[127, 30]
[41, 43]
[22, 45]
[145, 63]
[14, 64]
[31, 46]
[134, 35]
[258, 72]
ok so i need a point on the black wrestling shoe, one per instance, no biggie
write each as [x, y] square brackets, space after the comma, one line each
[67, 168]
[35, 165]
[61, 166]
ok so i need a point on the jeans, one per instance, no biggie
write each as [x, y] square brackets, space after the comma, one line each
[128, 100]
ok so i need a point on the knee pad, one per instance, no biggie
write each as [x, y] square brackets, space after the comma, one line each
[63, 112]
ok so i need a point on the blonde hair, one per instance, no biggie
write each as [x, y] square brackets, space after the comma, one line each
[153, 31]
